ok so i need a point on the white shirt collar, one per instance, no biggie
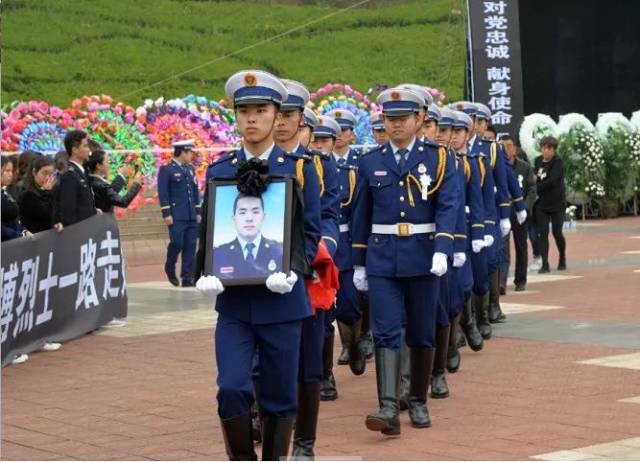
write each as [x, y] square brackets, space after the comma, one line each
[244, 243]
[79, 166]
[263, 156]
[472, 140]
[337, 156]
[409, 148]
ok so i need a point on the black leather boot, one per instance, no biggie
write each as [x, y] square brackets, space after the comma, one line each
[562, 263]
[304, 436]
[481, 306]
[470, 329]
[357, 361]
[256, 421]
[276, 435]
[237, 438]
[405, 372]
[387, 419]
[343, 359]
[439, 387]
[366, 337]
[421, 366]
[453, 354]
[495, 310]
[328, 391]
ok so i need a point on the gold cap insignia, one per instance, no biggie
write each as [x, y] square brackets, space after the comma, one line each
[459, 106]
[395, 95]
[250, 80]
[338, 115]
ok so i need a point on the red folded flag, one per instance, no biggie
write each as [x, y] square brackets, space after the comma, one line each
[323, 286]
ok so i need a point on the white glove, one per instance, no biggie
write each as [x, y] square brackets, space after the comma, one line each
[488, 240]
[459, 259]
[505, 226]
[360, 278]
[521, 216]
[210, 285]
[477, 245]
[280, 283]
[439, 264]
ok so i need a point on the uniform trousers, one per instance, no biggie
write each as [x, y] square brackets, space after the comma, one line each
[236, 343]
[348, 300]
[310, 370]
[392, 298]
[182, 239]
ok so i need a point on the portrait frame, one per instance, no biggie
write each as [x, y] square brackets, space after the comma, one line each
[279, 195]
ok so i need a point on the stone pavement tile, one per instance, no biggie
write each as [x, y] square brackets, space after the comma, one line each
[564, 455]
[631, 252]
[633, 400]
[519, 308]
[13, 451]
[627, 361]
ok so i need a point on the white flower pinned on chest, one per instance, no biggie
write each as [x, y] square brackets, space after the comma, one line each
[542, 174]
[520, 180]
[425, 181]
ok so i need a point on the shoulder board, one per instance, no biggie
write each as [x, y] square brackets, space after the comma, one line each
[313, 152]
[431, 144]
[224, 158]
[371, 151]
[297, 156]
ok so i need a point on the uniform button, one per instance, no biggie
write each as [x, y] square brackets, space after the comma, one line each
[401, 183]
[431, 237]
[375, 239]
[401, 198]
[402, 214]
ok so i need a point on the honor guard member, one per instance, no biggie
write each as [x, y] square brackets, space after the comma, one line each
[311, 345]
[512, 197]
[267, 318]
[180, 206]
[402, 234]
[347, 122]
[428, 100]
[377, 127]
[305, 132]
[430, 127]
[479, 261]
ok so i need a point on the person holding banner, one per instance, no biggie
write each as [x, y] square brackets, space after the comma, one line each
[36, 202]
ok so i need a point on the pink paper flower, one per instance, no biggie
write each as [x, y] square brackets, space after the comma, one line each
[338, 86]
[118, 110]
[92, 107]
[56, 111]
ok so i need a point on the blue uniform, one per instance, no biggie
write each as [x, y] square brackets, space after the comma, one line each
[232, 261]
[254, 318]
[313, 328]
[179, 198]
[398, 265]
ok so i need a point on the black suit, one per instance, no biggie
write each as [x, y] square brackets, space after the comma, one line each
[106, 194]
[74, 200]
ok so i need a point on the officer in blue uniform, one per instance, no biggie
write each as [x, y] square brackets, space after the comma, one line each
[377, 127]
[268, 317]
[512, 197]
[427, 100]
[311, 345]
[347, 122]
[305, 131]
[180, 206]
[402, 227]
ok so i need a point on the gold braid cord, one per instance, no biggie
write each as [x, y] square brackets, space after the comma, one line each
[352, 187]
[300, 172]
[493, 154]
[482, 171]
[467, 168]
[442, 164]
[320, 170]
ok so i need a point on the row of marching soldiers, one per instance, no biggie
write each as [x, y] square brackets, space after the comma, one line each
[412, 227]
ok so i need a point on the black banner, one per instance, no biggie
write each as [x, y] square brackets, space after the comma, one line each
[59, 286]
[496, 68]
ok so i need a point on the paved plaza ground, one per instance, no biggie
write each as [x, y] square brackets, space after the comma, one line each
[560, 379]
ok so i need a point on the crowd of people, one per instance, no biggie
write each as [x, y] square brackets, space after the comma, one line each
[417, 230]
[42, 192]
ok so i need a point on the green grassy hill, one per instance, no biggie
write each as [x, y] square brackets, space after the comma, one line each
[57, 50]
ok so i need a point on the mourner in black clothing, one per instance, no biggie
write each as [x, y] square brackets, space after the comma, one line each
[105, 193]
[73, 199]
[550, 206]
[11, 227]
[36, 203]
[18, 185]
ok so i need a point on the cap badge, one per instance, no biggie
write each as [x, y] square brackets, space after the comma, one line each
[395, 95]
[459, 106]
[338, 115]
[250, 80]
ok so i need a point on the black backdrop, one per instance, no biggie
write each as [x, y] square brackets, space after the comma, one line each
[580, 56]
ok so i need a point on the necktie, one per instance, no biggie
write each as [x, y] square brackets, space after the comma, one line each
[250, 259]
[342, 161]
[401, 157]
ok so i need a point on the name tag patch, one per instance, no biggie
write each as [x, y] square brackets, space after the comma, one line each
[226, 270]
[380, 173]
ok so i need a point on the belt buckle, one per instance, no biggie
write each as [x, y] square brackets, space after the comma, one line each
[403, 229]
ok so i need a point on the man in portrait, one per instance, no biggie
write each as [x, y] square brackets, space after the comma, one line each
[250, 254]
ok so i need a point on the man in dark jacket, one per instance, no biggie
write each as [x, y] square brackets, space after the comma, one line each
[73, 198]
[526, 179]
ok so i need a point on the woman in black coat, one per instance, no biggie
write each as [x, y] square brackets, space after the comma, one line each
[106, 194]
[36, 202]
[11, 226]
[550, 206]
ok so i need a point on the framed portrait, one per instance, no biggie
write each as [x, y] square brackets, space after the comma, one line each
[248, 237]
